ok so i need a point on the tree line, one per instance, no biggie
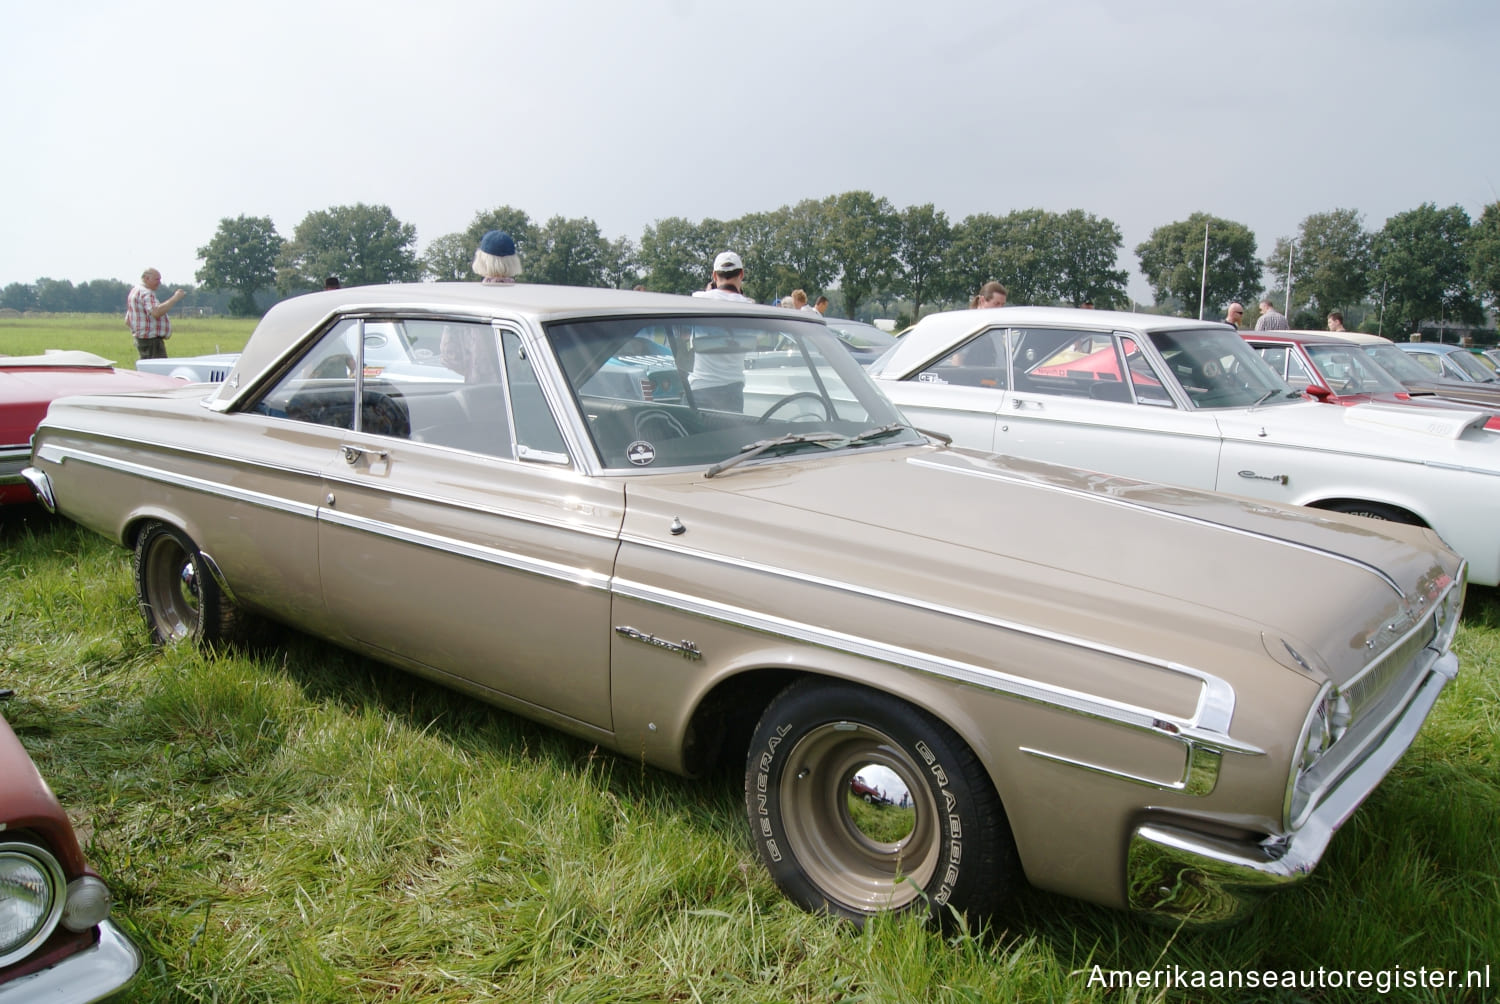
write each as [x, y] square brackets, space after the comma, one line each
[1423, 266]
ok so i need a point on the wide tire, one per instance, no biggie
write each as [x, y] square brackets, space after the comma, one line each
[177, 596]
[938, 843]
[1375, 510]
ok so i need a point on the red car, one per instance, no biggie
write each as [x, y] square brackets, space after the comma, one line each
[56, 940]
[28, 384]
[1333, 370]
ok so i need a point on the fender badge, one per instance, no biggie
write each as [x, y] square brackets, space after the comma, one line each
[684, 648]
[640, 453]
[1280, 479]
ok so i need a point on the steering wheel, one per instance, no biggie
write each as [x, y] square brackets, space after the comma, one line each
[654, 424]
[783, 402]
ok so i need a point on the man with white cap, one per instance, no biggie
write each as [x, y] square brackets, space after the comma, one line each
[718, 378]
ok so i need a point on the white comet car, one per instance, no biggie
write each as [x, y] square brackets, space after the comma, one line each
[1189, 403]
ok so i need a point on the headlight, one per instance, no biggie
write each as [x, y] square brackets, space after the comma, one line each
[31, 899]
[1326, 723]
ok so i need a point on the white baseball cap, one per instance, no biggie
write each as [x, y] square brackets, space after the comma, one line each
[728, 261]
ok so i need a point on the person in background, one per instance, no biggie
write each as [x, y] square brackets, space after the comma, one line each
[1088, 304]
[992, 294]
[1233, 313]
[821, 305]
[1270, 318]
[1336, 321]
[799, 301]
[718, 378]
[497, 260]
[147, 318]
[332, 282]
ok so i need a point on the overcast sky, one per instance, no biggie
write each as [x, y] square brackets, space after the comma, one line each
[131, 130]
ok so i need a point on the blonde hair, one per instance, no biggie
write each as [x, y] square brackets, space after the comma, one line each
[497, 266]
[799, 298]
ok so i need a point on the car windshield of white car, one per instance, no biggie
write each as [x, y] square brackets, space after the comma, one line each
[1350, 371]
[690, 391]
[1217, 368]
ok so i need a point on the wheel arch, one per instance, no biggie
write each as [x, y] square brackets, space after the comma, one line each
[1336, 503]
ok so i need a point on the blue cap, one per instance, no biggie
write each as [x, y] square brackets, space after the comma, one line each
[498, 243]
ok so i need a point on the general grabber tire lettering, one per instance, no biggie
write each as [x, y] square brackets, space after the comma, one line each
[937, 841]
[177, 596]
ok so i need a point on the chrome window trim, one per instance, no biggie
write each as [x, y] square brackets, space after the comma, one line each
[1165, 514]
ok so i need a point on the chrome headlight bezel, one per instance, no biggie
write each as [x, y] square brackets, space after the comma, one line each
[1449, 609]
[32, 880]
[1327, 721]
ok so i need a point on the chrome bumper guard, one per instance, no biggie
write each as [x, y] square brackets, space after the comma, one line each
[90, 975]
[42, 486]
[1184, 876]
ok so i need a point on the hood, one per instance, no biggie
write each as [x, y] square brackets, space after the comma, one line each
[1143, 567]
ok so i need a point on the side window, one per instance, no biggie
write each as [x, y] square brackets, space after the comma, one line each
[979, 362]
[323, 386]
[1145, 381]
[1275, 357]
[537, 433]
[1068, 363]
[1432, 363]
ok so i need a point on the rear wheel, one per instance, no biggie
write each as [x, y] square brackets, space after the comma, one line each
[937, 838]
[177, 596]
[1375, 510]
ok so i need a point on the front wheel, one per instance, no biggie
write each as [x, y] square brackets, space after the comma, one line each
[935, 839]
[179, 600]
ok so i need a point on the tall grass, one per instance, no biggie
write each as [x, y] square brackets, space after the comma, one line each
[295, 823]
[106, 335]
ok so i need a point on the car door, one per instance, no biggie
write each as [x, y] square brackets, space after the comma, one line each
[960, 394]
[465, 543]
[1096, 400]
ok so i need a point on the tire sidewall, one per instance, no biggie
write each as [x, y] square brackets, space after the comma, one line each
[805, 707]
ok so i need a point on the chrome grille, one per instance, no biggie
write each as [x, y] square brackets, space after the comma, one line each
[1391, 666]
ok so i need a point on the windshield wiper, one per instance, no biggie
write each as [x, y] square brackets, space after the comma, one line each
[753, 450]
[1290, 394]
[827, 440]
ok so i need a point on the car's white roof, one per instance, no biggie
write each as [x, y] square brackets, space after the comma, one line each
[936, 334]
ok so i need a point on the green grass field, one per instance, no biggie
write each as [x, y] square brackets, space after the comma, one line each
[106, 335]
[294, 823]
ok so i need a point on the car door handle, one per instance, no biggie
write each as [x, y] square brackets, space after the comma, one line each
[353, 453]
[1020, 402]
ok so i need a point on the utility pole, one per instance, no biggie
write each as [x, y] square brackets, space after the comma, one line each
[1203, 284]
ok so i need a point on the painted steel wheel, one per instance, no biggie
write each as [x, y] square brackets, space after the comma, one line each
[179, 600]
[860, 803]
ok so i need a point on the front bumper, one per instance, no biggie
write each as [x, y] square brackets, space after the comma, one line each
[89, 975]
[1181, 875]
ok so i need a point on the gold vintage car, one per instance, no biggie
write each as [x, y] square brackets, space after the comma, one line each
[685, 529]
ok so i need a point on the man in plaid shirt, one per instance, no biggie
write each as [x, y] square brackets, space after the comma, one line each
[147, 319]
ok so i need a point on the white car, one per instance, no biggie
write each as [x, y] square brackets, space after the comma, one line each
[194, 369]
[1190, 403]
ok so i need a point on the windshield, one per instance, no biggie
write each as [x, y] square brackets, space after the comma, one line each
[689, 391]
[1476, 370]
[1217, 368]
[1349, 371]
[1398, 364]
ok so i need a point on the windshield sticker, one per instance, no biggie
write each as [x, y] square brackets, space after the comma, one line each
[640, 453]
